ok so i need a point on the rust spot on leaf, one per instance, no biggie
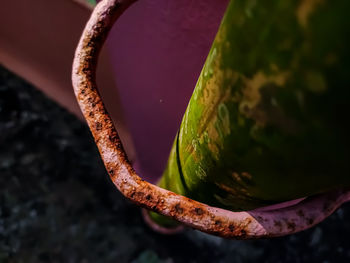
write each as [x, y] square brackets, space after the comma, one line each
[98, 126]
[310, 221]
[179, 209]
[291, 226]
[198, 211]
[231, 227]
[218, 223]
[300, 213]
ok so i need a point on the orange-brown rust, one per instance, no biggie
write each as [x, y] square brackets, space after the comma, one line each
[239, 225]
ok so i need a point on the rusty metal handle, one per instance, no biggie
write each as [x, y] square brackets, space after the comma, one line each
[239, 225]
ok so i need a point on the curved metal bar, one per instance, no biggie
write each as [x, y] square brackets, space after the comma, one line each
[239, 225]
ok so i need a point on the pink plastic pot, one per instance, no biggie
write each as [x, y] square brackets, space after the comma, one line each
[266, 222]
[158, 49]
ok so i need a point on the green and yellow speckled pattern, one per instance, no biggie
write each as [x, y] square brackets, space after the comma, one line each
[91, 2]
[267, 121]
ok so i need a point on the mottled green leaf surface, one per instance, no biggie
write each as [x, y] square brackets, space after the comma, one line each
[267, 121]
[91, 2]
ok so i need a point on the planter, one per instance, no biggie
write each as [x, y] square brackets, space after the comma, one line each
[147, 48]
[42, 52]
[252, 224]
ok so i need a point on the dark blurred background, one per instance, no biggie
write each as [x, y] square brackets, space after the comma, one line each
[57, 203]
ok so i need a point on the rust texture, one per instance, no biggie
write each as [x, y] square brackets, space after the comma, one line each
[238, 225]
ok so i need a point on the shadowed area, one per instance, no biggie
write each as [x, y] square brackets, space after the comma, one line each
[57, 203]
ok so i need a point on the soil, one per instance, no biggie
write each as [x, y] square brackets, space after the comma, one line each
[57, 203]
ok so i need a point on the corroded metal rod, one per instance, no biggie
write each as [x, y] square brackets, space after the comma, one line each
[224, 223]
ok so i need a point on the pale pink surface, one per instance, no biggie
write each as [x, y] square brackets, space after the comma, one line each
[251, 224]
[158, 48]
